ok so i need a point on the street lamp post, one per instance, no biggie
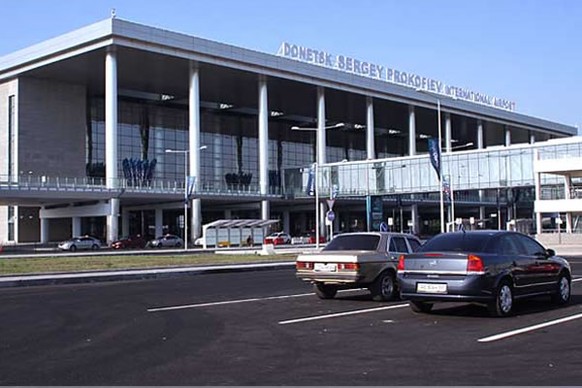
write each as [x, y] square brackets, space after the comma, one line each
[315, 176]
[440, 140]
[440, 136]
[185, 153]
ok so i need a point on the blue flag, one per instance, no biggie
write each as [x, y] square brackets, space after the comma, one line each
[434, 151]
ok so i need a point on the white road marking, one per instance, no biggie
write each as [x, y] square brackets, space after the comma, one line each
[209, 304]
[577, 280]
[529, 328]
[191, 306]
[326, 316]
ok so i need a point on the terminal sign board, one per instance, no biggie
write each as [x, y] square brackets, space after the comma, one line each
[387, 74]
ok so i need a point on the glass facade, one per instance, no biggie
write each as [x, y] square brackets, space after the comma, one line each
[230, 143]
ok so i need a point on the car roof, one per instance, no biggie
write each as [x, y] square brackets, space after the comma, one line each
[387, 234]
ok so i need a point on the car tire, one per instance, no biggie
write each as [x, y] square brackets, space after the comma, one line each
[502, 306]
[384, 287]
[73, 248]
[94, 247]
[178, 245]
[325, 291]
[563, 290]
[420, 307]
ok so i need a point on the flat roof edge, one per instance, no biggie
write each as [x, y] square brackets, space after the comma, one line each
[56, 45]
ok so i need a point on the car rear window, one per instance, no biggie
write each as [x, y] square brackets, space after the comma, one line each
[457, 242]
[357, 242]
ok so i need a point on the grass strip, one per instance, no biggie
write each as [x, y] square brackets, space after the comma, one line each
[55, 264]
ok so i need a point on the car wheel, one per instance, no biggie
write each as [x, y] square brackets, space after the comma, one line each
[94, 247]
[73, 248]
[384, 287]
[420, 307]
[325, 291]
[502, 306]
[178, 245]
[563, 290]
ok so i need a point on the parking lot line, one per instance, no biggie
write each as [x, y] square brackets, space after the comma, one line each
[335, 315]
[208, 304]
[528, 329]
[191, 306]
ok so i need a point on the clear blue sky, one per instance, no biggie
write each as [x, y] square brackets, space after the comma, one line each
[527, 51]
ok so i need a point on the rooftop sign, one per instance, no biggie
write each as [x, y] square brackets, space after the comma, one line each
[387, 74]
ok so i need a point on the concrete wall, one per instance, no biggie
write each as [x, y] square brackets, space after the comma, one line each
[28, 224]
[6, 89]
[52, 128]
[551, 240]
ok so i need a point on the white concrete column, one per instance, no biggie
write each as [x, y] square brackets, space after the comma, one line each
[195, 229]
[532, 137]
[125, 222]
[287, 222]
[448, 133]
[76, 226]
[321, 135]
[113, 221]
[481, 210]
[411, 131]
[159, 221]
[265, 209]
[228, 214]
[538, 194]
[480, 137]
[415, 218]
[370, 146]
[264, 145]
[44, 230]
[567, 196]
[507, 135]
[111, 139]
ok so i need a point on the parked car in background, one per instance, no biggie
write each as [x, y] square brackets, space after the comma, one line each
[80, 243]
[490, 267]
[307, 238]
[354, 260]
[166, 241]
[135, 242]
[278, 238]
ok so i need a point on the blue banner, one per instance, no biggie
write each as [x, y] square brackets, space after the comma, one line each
[434, 151]
[310, 190]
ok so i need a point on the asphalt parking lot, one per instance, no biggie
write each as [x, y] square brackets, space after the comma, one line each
[268, 328]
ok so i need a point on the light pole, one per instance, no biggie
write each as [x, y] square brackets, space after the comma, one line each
[185, 153]
[440, 175]
[315, 175]
[440, 135]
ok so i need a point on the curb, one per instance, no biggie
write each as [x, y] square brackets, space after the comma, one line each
[138, 274]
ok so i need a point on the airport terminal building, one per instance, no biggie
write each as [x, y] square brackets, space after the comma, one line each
[110, 129]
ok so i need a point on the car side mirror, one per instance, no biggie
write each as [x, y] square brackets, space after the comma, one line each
[550, 252]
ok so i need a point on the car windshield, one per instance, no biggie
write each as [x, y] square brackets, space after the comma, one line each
[457, 242]
[356, 242]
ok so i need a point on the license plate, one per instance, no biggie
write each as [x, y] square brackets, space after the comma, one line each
[431, 288]
[325, 267]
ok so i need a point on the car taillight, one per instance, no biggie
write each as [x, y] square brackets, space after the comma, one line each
[400, 266]
[348, 266]
[474, 264]
[303, 265]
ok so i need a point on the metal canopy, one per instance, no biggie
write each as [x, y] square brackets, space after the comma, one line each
[241, 223]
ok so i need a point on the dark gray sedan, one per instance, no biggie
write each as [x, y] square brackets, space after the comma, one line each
[489, 267]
